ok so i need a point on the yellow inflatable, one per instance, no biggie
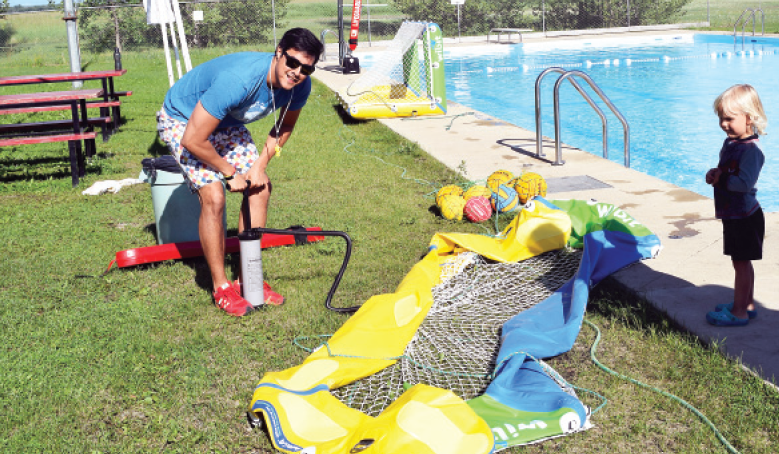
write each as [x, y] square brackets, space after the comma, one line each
[388, 101]
[303, 416]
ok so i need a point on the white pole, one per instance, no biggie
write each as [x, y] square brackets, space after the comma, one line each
[174, 42]
[182, 36]
[164, 30]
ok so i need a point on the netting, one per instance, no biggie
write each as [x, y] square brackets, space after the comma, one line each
[456, 346]
[389, 70]
[401, 81]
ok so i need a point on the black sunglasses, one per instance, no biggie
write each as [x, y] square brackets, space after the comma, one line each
[294, 63]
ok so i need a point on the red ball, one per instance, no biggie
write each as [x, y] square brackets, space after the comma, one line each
[478, 209]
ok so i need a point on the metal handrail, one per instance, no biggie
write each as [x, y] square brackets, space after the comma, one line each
[567, 75]
[322, 38]
[539, 148]
[753, 11]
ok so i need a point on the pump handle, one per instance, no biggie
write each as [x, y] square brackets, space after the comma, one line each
[247, 216]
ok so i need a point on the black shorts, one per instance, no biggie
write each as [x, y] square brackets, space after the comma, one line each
[744, 237]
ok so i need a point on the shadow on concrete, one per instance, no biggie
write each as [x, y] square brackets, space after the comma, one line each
[685, 305]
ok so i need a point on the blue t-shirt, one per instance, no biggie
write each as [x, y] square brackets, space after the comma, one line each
[735, 195]
[234, 89]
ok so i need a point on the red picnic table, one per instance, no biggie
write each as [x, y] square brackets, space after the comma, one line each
[76, 99]
[110, 95]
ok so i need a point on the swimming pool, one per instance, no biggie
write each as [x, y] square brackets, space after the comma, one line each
[663, 85]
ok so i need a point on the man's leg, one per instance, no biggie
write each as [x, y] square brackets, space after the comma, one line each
[211, 228]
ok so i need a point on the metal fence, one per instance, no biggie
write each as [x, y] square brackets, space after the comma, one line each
[106, 24]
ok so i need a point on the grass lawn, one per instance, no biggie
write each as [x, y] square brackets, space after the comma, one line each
[141, 361]
[723, 14]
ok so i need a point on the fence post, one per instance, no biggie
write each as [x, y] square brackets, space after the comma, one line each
[73, 49]
[368, 8]
[628, 13]
[341, 41]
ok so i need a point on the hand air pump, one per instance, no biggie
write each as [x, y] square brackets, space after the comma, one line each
[251, 258]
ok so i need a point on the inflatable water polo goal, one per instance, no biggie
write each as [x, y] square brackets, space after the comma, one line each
[407, 79]
[452, 362]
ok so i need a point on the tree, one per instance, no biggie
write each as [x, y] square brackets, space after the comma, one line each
[103, 26]
[236, 22]
[583, 14]
[476, 16]
[479, 16]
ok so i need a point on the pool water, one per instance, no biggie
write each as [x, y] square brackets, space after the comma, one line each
[664, 86]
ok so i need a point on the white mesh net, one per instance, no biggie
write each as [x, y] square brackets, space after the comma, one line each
[399, 75]
[456, 346]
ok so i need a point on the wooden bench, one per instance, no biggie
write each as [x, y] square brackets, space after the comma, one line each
[102, 105]
[110, 97]
[73, 100]
[77, 164]
[509, 31]
[90, 105]
[48, 139]
[51, 126]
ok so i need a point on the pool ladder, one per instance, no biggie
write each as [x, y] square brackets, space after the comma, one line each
[744, 23]
[341, 49]
[568, 75]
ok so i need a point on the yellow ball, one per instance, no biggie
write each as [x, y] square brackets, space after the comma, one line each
[452, 207]
[498, 178]
[448, 190]
[529, 185]
[477, 191]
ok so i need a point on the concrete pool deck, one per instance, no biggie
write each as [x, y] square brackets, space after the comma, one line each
[689, 276]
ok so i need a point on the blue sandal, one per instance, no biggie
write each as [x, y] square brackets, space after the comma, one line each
[729, 307]
[725, 318]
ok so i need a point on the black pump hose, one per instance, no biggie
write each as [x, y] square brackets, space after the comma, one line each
[298, 234]
[334, 287]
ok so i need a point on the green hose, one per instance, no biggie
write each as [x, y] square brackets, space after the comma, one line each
[700, 415]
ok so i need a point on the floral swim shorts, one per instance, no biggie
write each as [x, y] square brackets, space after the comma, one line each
[234, 144]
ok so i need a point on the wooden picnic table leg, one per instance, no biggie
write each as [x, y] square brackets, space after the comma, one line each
[105, 129]
[77, 165]
[116, 113]
[89, 144]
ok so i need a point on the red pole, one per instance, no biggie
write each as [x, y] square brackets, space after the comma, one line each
[355, 24]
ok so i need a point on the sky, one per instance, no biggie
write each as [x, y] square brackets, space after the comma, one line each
[33, 2]
[28, 2]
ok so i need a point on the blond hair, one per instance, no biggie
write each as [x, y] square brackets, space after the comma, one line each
[743, 99]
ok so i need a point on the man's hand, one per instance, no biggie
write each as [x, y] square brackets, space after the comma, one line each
[258, 177]
[237, 184]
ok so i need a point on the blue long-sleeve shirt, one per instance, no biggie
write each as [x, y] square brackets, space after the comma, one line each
[735, 193]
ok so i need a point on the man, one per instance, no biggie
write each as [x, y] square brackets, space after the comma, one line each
[202, 122]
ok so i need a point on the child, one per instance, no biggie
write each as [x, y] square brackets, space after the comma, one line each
[742, 118]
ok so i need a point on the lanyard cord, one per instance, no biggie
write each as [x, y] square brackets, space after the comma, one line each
[275, 119]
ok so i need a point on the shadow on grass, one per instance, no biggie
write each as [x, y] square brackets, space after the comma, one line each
[157, 148]
[198, 264]
[345, 117]
[43, 168]
[617, 302]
